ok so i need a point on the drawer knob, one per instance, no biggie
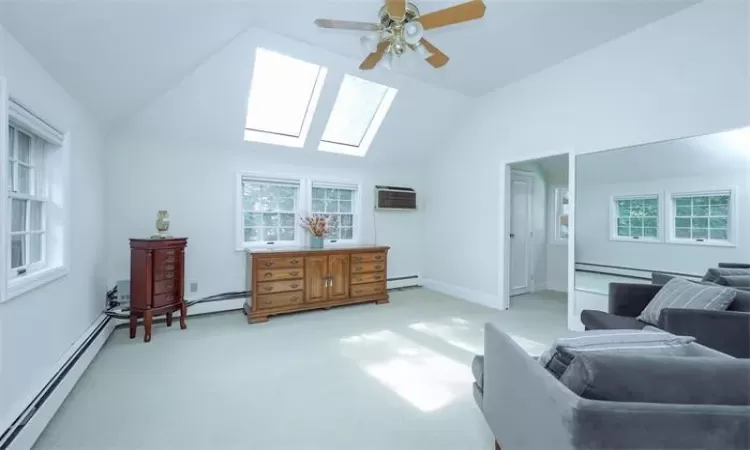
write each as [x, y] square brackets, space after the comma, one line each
[295, 299]
[378, 267]
[377, 277]
[268, 264]
[169, 252]
[358, 259]
[359, 267]
[267, 302]
[294, 261]
[294, 286]
[169, 275]
[170, 259]
[294, 274]
[378, 258]
[170, 285]
[267, 288]
[268, 274]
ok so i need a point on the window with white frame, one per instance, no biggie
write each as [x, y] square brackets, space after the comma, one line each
[284, 93]
[35, 184]
[360, 109]
[637, 218]
[562, 213]
[704, 217]
[28, 197]
[269, 211]
[338, 204]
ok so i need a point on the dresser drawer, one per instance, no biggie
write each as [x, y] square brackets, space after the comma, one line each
[368, 257]
[164, 300]
[162, 274]
[280, 274]
[166, 256]
[363, 278]
[273, 301]
[279, 263]
[165, 286]
[271, 287]
[368, 267]
[367, 290]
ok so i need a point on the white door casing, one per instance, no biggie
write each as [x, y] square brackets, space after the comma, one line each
[521, 191]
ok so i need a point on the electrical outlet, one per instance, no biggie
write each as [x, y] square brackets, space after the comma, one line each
[194, 286]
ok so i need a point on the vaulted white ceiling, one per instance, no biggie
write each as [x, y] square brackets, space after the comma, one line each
[118, 57]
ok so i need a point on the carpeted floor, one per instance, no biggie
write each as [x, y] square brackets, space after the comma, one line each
[367, 377]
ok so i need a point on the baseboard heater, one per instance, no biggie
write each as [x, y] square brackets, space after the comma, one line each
[18, 425]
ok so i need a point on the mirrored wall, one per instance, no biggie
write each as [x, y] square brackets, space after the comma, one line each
[680, 206]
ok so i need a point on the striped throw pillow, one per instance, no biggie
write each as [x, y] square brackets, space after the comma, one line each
[648, 342]
[683, 294]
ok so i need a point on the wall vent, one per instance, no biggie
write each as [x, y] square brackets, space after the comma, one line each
[392, 197]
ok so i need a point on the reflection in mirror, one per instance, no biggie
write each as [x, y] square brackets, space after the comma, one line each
[678, 207]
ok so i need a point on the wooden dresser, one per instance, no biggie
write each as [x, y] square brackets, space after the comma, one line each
[290, 280]
[157, 268]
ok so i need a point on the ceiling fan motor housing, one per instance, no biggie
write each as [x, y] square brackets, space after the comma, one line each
[412, 13]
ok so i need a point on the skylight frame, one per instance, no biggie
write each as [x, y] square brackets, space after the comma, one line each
[278, 138]
[370, 131]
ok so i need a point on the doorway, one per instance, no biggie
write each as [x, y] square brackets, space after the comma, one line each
[537, 208]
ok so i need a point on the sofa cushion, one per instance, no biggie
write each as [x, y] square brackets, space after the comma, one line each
[683, 294]
[557, 359]
[741, 301]
[477, 368]
[600, 320]
[659, 379]
[736, 281]
[715, 273]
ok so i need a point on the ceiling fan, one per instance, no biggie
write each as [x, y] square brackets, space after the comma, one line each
[401, 27]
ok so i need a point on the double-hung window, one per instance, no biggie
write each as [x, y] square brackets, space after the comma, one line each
[34, 179]
[637, 218]
[702, 218]
[28, 200]
[270, 209]
[338, 204]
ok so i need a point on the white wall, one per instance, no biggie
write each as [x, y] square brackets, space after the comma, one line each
[684, 75]
[182, 154]
[40, 326]
[196, 183]
[593, 227]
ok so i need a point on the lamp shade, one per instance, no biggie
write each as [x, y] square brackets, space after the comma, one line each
[422, 51]
[387, 61]
[370, 42]
[413, 32]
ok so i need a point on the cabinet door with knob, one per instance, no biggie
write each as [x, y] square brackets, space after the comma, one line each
[338, 276]
[316, 279]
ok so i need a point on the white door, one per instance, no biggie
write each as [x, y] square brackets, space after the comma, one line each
[520, 227]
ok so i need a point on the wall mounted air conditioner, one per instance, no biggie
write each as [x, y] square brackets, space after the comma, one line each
[392, 197]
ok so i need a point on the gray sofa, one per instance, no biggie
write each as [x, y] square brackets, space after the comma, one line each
[527, 408]
[726, 331]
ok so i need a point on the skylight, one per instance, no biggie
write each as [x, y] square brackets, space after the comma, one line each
[283, 95]
[359, 110]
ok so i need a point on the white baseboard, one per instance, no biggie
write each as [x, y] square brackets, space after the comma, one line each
[28, 435]
[410, 282]
[480, 298]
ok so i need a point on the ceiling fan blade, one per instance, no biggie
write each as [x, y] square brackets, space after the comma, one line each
[347, 25]
[464, 12]
[437, 59]
[374, 58]
[396, 8]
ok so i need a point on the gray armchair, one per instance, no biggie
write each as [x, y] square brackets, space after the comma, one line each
[725, 331]
[527, 408]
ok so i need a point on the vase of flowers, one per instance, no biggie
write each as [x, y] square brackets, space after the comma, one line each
[317, 226]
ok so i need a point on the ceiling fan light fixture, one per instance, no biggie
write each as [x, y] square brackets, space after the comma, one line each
[387, 61]
[370, 42]
[413, 32]
[422, 51]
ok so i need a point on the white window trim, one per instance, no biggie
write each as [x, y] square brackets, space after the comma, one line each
[356, 208]
[269, 137]
[555, 214]
[240, 244]
[372, 130]
[26, 119]
[613, 218]
[733, 218]
[304, 206]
